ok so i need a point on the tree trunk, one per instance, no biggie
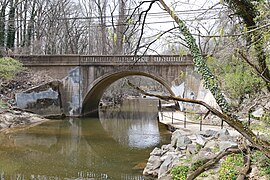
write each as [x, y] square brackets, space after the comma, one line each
[2, 23]
[11, 25]
[120, 27]
[30, 29]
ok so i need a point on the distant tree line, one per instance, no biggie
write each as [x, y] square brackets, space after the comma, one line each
[66, 27]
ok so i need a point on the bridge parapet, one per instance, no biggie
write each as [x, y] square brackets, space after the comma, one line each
[76, 60]
[129, 59]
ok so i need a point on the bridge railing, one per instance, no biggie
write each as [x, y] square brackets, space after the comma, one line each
[135, 59]
[102, 60]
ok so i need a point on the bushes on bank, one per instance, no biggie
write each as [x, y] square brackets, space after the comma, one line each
[9, 67]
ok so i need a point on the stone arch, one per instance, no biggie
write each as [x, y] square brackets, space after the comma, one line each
[97, 88]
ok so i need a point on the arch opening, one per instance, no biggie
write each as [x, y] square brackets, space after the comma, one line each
[99, 86]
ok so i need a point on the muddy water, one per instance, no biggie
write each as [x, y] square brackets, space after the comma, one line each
[115, 146]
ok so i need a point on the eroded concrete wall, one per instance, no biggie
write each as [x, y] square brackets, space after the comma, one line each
[72, 94]
[44, 99]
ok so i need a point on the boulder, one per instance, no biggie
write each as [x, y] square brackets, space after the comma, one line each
[201, 140]
[156, 152]
[226, 144]
[212, 144]
[169, 159]
[151, 168]
[175, 135]
[191, 149]
[204, 153]
[167, 148]
[223, 134]
[258, 113]
[208, 133]
[165, 166]
[180, 141]
[155, 162]
[267, 106]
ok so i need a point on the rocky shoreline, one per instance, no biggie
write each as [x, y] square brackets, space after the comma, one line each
[198, 146]
[14, 120]
[190, 149]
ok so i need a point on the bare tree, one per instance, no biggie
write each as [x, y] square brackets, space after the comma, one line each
[211, 83]
[3, 7]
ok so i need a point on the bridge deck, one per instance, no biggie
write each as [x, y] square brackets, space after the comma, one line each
[76, 60]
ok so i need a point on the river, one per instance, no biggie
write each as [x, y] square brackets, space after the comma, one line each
[114, 146]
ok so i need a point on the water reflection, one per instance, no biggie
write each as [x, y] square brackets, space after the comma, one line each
[110, 148]
[134, 124]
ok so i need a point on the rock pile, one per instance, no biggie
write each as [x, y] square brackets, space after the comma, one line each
[200, 146]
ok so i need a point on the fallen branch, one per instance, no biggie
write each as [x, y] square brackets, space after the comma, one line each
[257, 142]
[243, 173]
[211, 162]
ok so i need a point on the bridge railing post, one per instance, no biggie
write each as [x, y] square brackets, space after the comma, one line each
[201, 121]
[185, 119]
[172, 117]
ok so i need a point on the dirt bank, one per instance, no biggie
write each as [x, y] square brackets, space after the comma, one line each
[10, 115]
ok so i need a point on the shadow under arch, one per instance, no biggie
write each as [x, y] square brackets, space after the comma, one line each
[97, 88]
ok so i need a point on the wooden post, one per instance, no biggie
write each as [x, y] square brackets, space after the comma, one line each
[249, 116]
[159, 105]
[222, 124]
[172, 117]
[201, 121]
[185, 119]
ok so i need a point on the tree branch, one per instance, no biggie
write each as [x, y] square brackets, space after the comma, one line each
[211, 162]
[244, 171]
[261, 74]
[258, 143]
[143, 23]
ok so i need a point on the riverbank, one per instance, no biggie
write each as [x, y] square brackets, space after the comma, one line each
[193, 144]
[12, 118]
[15, 120]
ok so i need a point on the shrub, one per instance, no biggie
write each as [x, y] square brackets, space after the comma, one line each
[9, 67]
[229, 166]
[198, 164]
[266, 118]
[236, 78]
[260, 160]
[179, 172]
[3, 105]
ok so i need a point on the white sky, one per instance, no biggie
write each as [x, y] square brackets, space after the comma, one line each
[188, 10]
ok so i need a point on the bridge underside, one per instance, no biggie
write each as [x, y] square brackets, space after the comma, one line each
[98, 87]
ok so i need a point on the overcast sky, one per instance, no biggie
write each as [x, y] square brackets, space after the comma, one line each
[193, 12]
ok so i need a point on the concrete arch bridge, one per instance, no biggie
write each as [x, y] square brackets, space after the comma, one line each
[85, 78]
